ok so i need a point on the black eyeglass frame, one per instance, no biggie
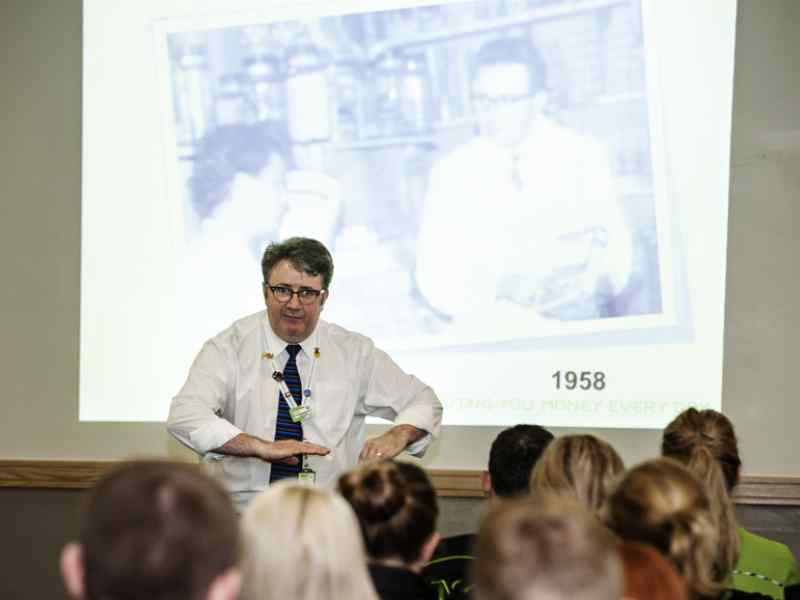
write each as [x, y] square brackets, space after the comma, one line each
[305, 295]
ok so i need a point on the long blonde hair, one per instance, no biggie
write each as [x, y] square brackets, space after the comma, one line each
[304, 543]
[660, 502]
[705, 442]
[581, 467]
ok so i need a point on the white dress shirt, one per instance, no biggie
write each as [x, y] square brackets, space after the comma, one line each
[230, 390]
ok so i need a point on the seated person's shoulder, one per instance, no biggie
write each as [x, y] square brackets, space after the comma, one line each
[765, 549]
[447, 572]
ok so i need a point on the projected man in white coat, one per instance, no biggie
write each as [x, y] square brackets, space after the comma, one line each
[281, 393]
[528, 207]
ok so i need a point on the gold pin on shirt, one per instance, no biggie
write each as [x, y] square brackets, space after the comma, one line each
[267, 355]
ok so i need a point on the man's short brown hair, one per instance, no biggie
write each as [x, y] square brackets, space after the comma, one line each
[156, 530]
[528, 549]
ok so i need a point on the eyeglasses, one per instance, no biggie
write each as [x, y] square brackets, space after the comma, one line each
[284, 294]
[484, 103]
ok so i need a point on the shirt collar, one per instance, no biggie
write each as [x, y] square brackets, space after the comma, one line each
[277, 345]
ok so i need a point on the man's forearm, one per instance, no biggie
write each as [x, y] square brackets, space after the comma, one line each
[242, 445]
[283, 450]
[412, 434]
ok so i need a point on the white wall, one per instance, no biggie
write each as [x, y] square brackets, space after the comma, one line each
[40, 91]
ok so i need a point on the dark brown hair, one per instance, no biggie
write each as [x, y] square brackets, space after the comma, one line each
[513, 454]
[396, 506]
[304, 254]
[156, 530]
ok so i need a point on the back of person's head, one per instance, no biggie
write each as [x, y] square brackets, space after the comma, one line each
[704, 441]
[302, 542]
[396, 506]
[581, 467]
[155, 530]
[661, 503]
[513, 454]
[529, 550]
[649, 575]
[709, 429]
[512, 50]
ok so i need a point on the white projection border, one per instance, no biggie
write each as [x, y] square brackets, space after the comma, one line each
[150, 297]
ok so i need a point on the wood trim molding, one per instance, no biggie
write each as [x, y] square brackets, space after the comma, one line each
[758, 489]
[451, 483]
[457, 483]
[51, 474]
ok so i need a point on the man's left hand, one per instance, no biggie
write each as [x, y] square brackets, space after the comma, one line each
[391, 443]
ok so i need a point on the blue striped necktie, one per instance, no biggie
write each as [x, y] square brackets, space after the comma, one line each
[286, 429]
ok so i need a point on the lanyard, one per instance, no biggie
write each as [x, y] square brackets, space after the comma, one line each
[301, 413]
[277, 375]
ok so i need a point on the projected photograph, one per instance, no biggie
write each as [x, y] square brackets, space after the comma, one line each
[481, 171]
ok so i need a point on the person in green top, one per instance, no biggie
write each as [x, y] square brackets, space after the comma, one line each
[764, 566]
[761, 565]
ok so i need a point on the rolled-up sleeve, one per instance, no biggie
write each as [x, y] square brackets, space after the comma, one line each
[390, 393]
[195, 412]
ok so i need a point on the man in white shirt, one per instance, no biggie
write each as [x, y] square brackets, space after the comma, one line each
[523, 218]
[237, 409]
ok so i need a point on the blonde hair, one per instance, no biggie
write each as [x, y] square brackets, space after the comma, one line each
[304, 543]
[528, 549]
[705, 442]
[581, 467]
[661, 503]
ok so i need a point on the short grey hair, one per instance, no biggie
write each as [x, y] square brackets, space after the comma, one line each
[304, 254]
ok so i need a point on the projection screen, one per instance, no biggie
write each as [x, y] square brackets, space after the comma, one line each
[526, 201]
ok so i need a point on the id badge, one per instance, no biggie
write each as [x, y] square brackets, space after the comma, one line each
[299, 414]
[307, 476]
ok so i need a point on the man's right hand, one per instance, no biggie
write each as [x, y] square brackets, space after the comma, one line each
[286, 451]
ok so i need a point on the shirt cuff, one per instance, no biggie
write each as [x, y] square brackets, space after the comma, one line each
[418, 448]
[214, 435]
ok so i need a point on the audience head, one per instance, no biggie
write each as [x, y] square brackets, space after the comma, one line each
[154, 530]
[581, 467]
[649, 575]
[513, 454]
[396, 506]
[302, 542]
[704, 441]
[529, 550]
[661, 503]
